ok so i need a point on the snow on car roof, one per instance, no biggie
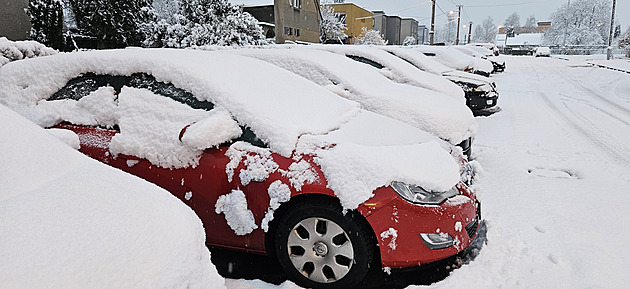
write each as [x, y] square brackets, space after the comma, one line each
[428, 110]
[456, 59]
[67, 219]
[418, 59]
[402, 71]
[277, 115]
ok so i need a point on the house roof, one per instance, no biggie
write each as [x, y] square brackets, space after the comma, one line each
[534, 39]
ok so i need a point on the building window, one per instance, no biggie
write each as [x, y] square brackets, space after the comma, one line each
[297, 32]
[296, 3]
[288, 30]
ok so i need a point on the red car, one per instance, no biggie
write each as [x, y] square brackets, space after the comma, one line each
[326, 197]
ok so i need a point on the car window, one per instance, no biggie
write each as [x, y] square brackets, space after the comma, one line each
[431, 54]
[366, 61]
[249, 136]
[83, 85]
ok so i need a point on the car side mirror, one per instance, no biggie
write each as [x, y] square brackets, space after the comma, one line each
[217, 128]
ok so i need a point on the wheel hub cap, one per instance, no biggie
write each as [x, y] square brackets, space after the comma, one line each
[320, 249]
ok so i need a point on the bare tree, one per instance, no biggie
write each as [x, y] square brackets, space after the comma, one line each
[530, 25]
[486, 32]
[513, 21]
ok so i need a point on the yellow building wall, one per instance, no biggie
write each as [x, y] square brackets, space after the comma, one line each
[356, 19]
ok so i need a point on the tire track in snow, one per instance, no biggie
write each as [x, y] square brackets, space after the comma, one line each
[594, 93]
[617, 154]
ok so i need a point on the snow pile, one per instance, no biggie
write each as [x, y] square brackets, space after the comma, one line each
[70, 222]
[428, 110]
[278, 194]
[277, 116]
[258, 163]
[212, 131]
[66, 136]
[16, 50]
[160, 144]
[390, 233]
[300, 173]
[402, 72]
[237, 215]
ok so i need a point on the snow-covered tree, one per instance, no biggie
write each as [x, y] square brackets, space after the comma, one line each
[582, 23]
[486, 32]
[531, 25]
[332, 25]
[624, 42]
[205, 22]
[410, 40]
[514, 20]
[117, 23]
[370, 37]
[46, 22]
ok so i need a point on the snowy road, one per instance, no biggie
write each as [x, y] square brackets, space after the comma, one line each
[556, 188]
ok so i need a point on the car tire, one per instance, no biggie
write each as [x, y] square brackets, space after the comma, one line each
[320, 247]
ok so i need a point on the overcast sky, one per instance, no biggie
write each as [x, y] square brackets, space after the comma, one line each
[473, 10]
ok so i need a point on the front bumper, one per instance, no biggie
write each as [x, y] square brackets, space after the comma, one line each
[458, 217]
[481, 99]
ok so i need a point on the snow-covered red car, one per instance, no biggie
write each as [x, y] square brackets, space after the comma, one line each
[291, 170]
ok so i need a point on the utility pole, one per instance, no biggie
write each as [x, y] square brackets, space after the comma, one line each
[432, 31]
[566, 24]
[612, 24]
[469, 31]
[459, 14]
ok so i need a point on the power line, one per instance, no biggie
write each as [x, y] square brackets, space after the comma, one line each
[508, 4]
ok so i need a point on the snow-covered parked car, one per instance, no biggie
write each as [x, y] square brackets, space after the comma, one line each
[446, 117]
[481, 92]
[17, 50]
[395, 68]
[67, 221]
[293, 171]
[498, 62]
[542, 51]
[456, 59]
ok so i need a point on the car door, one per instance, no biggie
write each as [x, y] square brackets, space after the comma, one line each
[199, 185]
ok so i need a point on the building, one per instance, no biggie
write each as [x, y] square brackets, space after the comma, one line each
[379, 22]
[14, 23]
[266, 18]
[392, 32]
[356, 18]
[423, 34]
[542, 27]
[408, 27]
[293, 20]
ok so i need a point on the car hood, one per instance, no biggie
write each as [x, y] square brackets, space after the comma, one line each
[371, 151]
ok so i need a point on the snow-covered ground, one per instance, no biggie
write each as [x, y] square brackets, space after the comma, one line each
[556, 188]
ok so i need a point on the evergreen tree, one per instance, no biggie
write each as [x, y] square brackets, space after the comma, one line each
[117, 23]
[46, 22]
[624, 42]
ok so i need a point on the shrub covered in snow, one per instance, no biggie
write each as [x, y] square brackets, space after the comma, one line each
[115, 23]
[16, 50]
[332, 25]
[410, 40]
[371, 37]
[205, 22]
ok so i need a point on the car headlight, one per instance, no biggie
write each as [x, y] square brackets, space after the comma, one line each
[437, 241]
[418, 195]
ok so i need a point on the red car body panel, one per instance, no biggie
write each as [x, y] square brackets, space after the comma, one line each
[208, 180]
